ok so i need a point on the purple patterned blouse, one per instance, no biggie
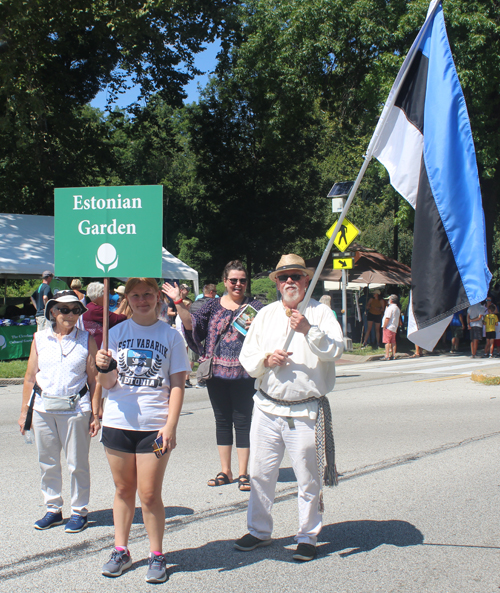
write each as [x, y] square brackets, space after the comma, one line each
[208, 324]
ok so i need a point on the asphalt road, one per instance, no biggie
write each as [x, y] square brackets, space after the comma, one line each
[417, 508]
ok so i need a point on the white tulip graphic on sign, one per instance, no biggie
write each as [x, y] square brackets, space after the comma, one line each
[3, 343]
[106, 256]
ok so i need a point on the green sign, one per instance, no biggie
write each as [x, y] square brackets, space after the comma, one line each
[108, 231]
[15, 341]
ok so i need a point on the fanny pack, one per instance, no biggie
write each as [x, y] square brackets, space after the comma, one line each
[60, 403]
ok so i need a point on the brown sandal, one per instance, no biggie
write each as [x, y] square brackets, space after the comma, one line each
[244, 483]
[220, 480]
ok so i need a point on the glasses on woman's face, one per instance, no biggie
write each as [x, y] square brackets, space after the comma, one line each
[293, 277]
[234, 281]
[67, 310]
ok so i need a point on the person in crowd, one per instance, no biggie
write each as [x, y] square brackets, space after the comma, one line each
[145, 393]
[475, 314]
[60, 367]
[114, 299]
[457, 327]
[93, 317]
[418, 352]
[291, 405]
[120, 291]
[172, 310]
[93, 320]
[76, 287]
[490, 325]
[326, 299]
[209, 292]
[188, 303]
[40, 298]
[374, 311]
[211, 333]
[390, 324]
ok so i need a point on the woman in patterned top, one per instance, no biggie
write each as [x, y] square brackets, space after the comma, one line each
[230, 389]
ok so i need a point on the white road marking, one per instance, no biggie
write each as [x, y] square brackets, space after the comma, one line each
[463, 366]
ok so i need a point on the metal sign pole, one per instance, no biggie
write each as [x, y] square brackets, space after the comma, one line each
[344, 303]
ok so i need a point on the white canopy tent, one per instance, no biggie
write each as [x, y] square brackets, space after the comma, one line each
[27, 250]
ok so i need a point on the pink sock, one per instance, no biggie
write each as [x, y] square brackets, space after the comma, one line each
[157, 553]
[121, 548]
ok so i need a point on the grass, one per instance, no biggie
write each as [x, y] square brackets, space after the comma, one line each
[368, 351]
[13, 369]
[485, 379]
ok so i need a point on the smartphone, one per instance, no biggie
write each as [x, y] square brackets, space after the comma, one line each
[158, 446]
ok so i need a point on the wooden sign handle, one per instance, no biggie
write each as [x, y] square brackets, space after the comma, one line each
[105, 315]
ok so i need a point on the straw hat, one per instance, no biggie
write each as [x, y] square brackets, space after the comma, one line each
[291, 262]
[120, 290]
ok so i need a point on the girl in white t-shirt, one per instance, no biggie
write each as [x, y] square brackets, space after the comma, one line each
[144, 371]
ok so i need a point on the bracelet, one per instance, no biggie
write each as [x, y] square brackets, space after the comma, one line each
[112, 366]
[178, 302]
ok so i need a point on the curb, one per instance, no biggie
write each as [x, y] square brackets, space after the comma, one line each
[4, 382]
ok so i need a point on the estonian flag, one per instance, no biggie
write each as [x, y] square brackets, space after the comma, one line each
[424, 140]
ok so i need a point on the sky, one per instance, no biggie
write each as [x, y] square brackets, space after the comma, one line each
[204, 61]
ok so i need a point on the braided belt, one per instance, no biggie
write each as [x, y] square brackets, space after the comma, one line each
[325, 444]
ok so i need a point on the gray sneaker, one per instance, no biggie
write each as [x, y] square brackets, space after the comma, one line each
[157, 571]
[120, 560]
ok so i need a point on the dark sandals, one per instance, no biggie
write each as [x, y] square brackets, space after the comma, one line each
[220, 480]
[244, 483]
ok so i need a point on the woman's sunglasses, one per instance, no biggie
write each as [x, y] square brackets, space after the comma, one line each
[67, 310]
[235, 281]
[294, 277]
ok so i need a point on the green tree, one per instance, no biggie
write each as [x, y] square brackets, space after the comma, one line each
[56, 56]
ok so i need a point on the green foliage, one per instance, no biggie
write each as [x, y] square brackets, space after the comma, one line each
[22, 288]
[57, 55]
[265, 286]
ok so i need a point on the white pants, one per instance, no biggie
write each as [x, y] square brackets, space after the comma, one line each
[269, 436]
[70, 432]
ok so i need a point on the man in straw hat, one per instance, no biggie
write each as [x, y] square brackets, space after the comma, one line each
[291, 409]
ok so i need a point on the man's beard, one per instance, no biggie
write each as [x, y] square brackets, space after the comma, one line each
[290, 296]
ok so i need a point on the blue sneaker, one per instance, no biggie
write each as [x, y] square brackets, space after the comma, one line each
[76, 523]
[50, 520]
[120, 560]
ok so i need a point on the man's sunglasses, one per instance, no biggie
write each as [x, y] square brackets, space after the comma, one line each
[235, 281]
[67, 310]
[294, 277]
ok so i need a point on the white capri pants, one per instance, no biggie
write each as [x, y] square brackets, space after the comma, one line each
[70, 432]
[269, 437]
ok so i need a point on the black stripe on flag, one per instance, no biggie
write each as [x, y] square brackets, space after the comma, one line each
[435, 280]
[411, 97]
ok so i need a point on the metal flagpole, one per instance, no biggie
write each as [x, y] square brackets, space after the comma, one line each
[368, 157]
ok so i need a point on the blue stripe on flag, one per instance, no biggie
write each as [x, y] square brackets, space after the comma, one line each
[450, 161]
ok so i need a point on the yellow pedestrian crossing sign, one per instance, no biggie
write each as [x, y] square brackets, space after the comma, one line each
[343, 263]
[346, 235]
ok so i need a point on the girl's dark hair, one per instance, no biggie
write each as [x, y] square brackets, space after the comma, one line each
[233, 265]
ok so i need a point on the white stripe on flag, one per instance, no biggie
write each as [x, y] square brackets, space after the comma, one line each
[399, 149]
[428, 337]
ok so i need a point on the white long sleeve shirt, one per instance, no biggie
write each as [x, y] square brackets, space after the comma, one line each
[310, 371]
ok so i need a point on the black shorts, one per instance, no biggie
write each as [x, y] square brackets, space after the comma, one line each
[128, 441]
[491, 335]
[373, 317]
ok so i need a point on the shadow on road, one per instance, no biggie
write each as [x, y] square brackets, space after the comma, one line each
[351, 536]
[105, 517]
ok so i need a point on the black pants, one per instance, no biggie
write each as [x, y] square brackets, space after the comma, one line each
[232, 402]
